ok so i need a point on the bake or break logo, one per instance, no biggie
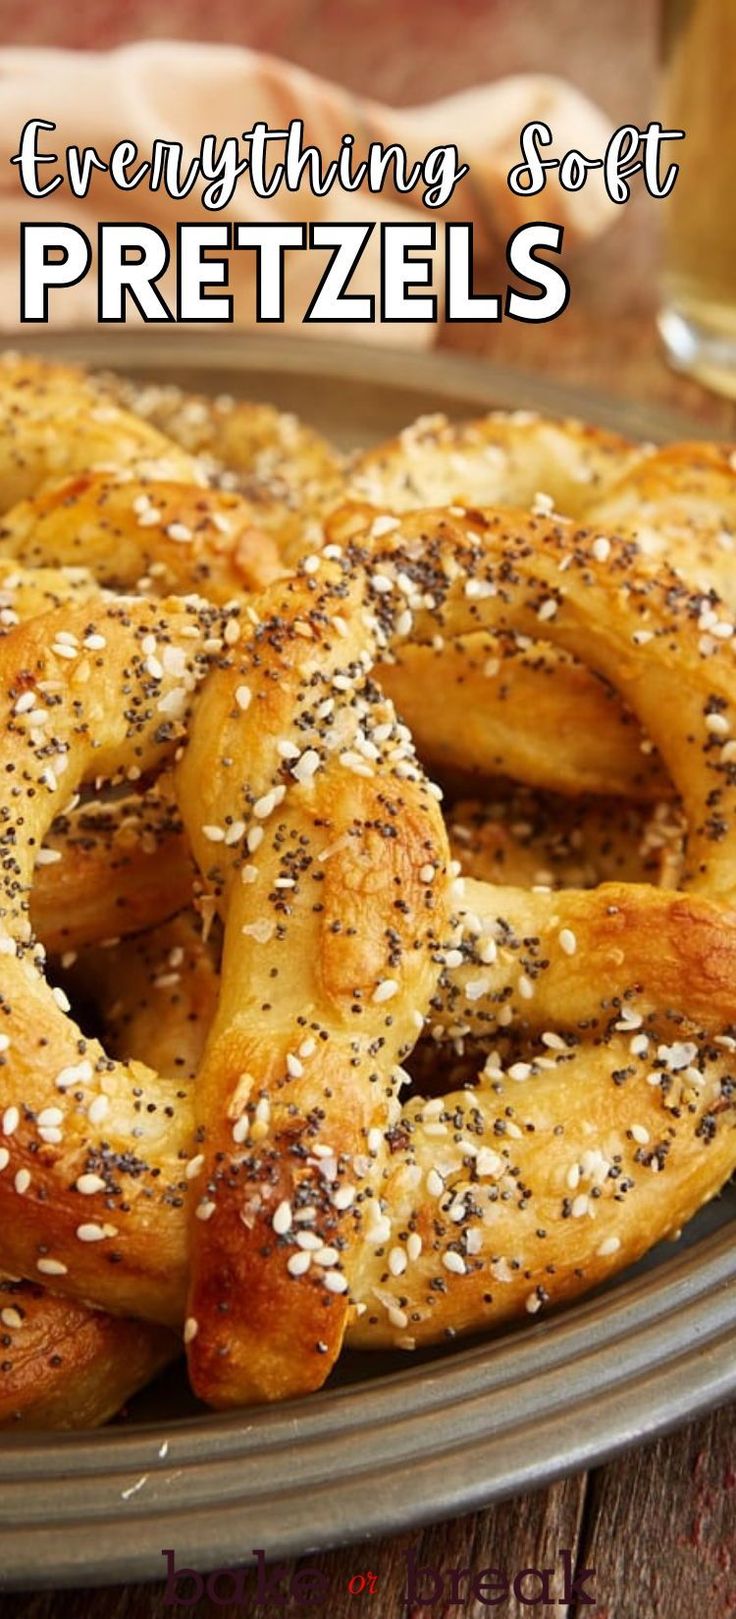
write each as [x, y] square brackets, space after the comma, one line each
[132, 256]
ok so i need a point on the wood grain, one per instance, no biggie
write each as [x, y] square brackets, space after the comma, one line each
[659, 1525]
[661, 1528]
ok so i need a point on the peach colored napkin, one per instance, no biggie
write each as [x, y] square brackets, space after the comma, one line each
[177, 91]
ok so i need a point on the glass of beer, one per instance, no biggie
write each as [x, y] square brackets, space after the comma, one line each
[698, 315]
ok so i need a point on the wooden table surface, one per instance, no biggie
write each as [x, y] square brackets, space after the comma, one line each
[659, 1524]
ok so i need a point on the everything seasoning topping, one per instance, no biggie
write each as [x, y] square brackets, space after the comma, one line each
[331, 960]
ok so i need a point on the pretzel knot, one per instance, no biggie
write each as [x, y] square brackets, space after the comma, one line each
[292, 1197]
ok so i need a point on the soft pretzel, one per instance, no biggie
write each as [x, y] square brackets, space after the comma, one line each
[603, 1116]
[346, 932]
[110, 869]
[540, 1188]
[585, 740]
[679, 504]
[54, 421]
[71, 1119]
[286, 471]
[143, 534]
[63, 1365]
[502, 459]
[494, 704]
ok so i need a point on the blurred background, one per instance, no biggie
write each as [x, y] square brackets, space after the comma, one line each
[399, 51]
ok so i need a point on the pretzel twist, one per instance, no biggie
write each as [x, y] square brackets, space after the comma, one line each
[314, 827]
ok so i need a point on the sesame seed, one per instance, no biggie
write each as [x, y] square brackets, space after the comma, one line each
[77, 1073]
[309, 1241]
[385, 990]
[88, 1184]
[568, 941]
[191, 1328]
[335, 1282]
[325, 1257]
[398, 1318]
[281, 1221]
[22, 1181]
[51, 1267]
[265, 805]
[476, 988]
[306, 766]
[453, 1261]
[298, 1264]
[91, 1232]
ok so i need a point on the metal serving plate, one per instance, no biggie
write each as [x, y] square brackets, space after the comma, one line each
[392, 1441]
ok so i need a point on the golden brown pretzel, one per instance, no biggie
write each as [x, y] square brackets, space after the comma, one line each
[63, 1365]
[143, 534]
[679, 504]
[496, 704]
[658, 963]
[140, 1278]
[576, 1149]
[488, 1208]
[286, 472]
[54, 421]
[113, 707]
[553, 719]
[502, 459]
[110, 869]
